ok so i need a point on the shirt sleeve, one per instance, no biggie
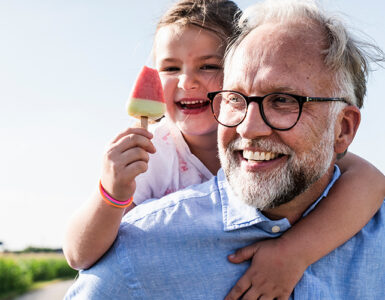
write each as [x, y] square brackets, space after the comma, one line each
[104, 280]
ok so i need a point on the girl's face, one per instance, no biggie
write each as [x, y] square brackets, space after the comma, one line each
[189, 61]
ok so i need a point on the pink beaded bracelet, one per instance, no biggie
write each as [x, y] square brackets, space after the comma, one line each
[111, 201]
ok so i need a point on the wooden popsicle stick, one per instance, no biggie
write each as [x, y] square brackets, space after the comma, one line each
[144, 122]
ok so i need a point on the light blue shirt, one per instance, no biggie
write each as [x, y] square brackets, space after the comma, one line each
[177, 247]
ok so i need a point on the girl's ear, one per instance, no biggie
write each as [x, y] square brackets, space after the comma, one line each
[349, 120]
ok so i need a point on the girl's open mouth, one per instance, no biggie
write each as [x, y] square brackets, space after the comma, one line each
[193, 106]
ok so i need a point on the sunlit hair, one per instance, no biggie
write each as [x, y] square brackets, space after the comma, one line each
[218, 16]
[347, 57]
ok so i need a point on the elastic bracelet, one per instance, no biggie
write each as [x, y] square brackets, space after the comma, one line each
[111, 201]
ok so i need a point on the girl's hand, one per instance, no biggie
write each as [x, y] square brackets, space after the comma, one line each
[125, 158]
[273, 272]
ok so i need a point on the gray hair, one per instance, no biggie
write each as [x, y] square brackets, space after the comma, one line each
[346, 56]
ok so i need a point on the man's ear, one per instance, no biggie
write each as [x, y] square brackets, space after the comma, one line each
[348, 122]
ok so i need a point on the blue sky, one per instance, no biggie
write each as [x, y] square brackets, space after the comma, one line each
[66, 69]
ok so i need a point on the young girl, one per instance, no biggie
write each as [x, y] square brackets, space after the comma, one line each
[188, 49]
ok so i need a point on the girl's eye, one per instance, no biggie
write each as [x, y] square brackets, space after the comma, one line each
[211, 67]
[169, 69]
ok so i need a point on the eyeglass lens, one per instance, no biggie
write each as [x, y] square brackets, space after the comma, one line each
[281, 111]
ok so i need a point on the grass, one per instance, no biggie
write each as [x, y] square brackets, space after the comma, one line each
[22, 272]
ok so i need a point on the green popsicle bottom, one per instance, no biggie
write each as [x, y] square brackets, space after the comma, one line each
[137, 107]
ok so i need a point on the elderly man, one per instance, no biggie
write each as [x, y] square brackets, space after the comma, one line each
[287, 109]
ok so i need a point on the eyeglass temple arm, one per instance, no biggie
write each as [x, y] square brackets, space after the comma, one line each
[319, 99]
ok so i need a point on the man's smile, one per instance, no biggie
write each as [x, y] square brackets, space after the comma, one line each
[259, 155]
[258, 160]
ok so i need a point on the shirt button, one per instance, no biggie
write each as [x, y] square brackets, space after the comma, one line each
[275, 229]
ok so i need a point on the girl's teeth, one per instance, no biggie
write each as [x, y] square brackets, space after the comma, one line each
[192, 102]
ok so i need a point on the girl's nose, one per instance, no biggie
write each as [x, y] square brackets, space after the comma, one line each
[188, 81]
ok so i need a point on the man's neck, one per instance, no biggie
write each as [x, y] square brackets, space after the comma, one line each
[294, 209]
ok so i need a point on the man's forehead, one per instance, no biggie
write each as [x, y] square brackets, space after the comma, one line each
[272, 54]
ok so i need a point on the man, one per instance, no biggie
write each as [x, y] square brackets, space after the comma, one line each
[176, 248]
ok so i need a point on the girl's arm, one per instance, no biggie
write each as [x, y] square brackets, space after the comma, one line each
[278, 264]
[90, 232]
[94, 227]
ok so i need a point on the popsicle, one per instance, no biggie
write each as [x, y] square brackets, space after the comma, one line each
[146, 99]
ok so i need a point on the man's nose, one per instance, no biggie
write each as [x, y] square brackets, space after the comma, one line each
[188, 81]
[253, 126]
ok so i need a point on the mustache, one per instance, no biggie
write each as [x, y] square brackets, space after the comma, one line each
[263, 144]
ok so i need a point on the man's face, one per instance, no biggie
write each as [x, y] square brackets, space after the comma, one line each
[265, 167]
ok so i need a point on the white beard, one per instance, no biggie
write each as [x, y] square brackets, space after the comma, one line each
[265, 190]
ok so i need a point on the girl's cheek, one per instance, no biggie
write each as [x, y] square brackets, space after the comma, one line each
[169, 84]
[214, 81]
[169, 87]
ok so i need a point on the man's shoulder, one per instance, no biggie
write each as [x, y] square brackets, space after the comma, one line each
[190, 198]
[355, 270]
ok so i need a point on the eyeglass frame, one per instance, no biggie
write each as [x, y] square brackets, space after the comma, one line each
[259, 99]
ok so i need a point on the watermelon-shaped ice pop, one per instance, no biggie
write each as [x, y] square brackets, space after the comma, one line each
[147, 99]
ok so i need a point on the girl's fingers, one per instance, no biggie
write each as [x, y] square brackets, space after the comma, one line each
[132, 130]
[239, 288]
[132, 155]
[116, 163]
[243, 254]
[253, 294]
[135, 168]
[131, 141]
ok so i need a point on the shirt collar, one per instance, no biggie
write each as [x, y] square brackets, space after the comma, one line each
[236, 214]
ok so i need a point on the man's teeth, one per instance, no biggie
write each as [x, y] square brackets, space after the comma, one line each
[192, 102]
[247, 154]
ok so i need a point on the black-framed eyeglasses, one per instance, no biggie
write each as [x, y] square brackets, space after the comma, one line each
[280, 111]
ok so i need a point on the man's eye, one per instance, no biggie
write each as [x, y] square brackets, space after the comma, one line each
[283, 103]
[283, 100]
[280, 100]
[233, 99]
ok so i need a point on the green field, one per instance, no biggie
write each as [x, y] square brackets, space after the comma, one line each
[20, 272]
